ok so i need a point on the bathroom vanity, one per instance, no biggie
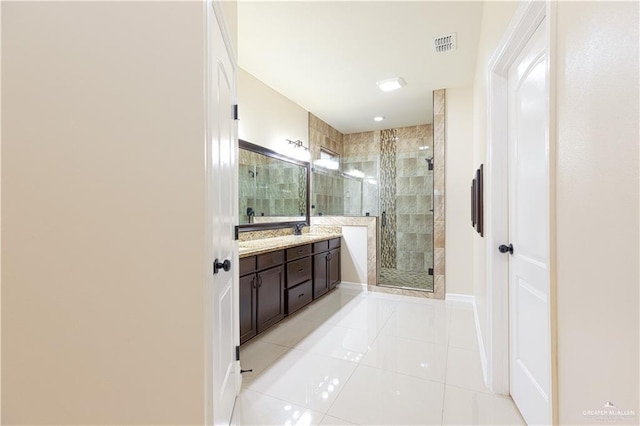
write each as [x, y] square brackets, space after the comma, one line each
[281, 275]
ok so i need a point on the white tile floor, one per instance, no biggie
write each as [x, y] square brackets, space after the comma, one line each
[355, 357]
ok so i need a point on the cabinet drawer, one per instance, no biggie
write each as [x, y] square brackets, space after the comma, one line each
[320, 246]
[298, 252]
[247, 265]
[298, 271]
[268, 260]
[298, 297]
[335, 243]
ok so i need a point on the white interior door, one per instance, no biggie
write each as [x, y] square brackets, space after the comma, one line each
[223, 201]
[529, 323]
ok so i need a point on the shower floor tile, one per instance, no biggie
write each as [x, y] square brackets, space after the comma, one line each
[406, 279]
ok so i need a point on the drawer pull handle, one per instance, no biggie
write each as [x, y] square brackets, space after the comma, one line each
[300, 295]
[300, 251]
[301, 270]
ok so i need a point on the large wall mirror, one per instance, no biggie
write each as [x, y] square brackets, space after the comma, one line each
[273, 189]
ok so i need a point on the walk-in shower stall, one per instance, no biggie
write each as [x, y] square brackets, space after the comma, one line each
[388, 174]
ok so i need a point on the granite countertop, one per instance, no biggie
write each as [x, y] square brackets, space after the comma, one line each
[253, 247]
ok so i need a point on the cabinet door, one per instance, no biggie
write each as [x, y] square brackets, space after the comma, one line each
[320, 281]
[270, 297]
[334, 268]
[248, 307]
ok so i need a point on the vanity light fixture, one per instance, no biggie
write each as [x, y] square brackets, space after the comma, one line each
[298, 144]
[378, 118]
[391, 84]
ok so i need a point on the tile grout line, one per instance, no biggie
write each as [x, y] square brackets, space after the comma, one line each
[358, 364]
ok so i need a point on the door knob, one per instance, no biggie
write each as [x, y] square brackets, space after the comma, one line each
[217, 265]
[506, 249]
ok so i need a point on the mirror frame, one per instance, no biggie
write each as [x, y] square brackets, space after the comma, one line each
[242, 144]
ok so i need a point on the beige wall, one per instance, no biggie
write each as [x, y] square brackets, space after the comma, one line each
[458, 174]
[102, 213]
[495, 19]
[267, 118]
[597, 208]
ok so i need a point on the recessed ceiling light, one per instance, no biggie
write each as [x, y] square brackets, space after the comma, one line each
[378, 118]
[391, 84]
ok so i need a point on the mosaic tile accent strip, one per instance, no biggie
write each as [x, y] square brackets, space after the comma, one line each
[388, 198]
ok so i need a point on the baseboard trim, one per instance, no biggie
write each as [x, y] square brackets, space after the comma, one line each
[463, 298]
[352, 284]
[483, 355]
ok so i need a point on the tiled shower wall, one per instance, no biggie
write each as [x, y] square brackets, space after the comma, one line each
[328, 194]
[414, 201]
[322, 135]
[271, 189]
[404, 191]
[362, 152]
[438, 191]
[327, 186]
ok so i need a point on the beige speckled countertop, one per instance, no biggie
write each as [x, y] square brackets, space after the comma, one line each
[253, 247]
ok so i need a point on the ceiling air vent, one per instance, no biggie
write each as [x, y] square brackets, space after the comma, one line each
[445, 43]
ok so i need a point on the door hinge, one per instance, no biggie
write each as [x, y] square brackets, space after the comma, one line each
[236, 232]
[430, 271]
[237, 353]
[235, 112]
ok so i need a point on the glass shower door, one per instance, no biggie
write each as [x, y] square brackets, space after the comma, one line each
[406, 206]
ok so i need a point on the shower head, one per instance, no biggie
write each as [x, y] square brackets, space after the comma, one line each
[429, 161]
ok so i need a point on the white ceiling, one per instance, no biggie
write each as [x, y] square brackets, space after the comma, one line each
[328, 56]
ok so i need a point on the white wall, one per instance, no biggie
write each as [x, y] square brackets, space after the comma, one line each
[267, 118]
[495, 19]
[597, 209]
[458, 174]
[353, 254]
[102, 213]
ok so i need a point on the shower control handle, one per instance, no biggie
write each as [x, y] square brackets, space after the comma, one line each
[384, 219]
[506, 249]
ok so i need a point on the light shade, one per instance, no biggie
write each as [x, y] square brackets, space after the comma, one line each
[391, 84]
[378, 118]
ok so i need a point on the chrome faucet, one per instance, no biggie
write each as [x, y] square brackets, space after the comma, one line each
[297, 230]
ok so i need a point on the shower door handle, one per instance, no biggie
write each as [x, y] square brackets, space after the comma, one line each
[384, 219]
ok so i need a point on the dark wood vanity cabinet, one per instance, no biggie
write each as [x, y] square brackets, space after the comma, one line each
[261, 293]
[326, 266]
[299, 274]
[248, 307]
[281, 282]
